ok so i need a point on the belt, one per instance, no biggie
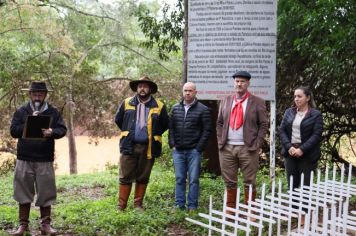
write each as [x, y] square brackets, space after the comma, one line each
[296, 145]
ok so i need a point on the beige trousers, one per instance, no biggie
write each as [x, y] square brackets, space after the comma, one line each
[232, 158]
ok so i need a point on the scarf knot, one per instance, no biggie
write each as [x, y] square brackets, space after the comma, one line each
[237, 113]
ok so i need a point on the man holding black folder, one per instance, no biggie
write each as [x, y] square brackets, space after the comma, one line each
[36, 125]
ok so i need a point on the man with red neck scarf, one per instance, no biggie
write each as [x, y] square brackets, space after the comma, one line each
[241, 127]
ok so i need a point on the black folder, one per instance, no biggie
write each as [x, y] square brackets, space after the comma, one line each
[34, 125]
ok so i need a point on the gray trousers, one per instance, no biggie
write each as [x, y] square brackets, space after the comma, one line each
[35, 178]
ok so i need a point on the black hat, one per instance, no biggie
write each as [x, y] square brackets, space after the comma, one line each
[37, 86]
[145, 79]
[242, 74]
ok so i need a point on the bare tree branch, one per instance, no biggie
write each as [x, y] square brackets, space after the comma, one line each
[45, 52]
[4, 96]
[135, 51]
[52, 4]
[105, 80]
[352, 148]
[17, 29]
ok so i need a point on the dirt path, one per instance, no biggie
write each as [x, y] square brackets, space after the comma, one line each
[91, 157]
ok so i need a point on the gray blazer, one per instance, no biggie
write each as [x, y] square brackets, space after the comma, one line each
[255, 122]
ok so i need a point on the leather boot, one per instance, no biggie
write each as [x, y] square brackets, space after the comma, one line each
[253, 197]
[124, 194]
[46, 228]
[231, 200]
[24, 213]
[140, 190]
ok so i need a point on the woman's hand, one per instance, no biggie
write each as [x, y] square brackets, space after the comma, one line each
[298, 152]
[295, 152]
[291, 151]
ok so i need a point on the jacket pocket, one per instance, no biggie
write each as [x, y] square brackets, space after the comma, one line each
[158, 138]
[156, 145]
[123, 134]
[125, 142]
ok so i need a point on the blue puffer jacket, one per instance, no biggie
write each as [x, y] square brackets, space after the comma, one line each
[311, 129]
[192, 130]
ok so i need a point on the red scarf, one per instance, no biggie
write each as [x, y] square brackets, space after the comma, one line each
[237, 113]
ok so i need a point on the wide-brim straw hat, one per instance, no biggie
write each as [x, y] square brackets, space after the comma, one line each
[145, 79]
[37, 86]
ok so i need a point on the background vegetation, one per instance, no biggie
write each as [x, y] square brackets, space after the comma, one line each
[88, 51]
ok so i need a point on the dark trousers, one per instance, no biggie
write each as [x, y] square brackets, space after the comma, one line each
[296, 166]
[136, 167]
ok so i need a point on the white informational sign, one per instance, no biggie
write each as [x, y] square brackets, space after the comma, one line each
[226, 36]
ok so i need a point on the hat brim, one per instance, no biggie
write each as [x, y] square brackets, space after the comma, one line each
[153, 85]
[37, 90]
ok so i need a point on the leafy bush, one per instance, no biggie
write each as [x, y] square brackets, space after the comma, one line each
[7, 164]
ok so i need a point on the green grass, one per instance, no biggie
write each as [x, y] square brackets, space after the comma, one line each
[86, 204]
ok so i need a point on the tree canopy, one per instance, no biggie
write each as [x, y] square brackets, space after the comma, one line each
[87, 51]
[315, 47]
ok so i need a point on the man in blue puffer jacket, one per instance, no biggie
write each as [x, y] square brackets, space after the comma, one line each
[189, 131]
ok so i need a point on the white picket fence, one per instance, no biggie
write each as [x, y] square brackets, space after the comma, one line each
[325, 205]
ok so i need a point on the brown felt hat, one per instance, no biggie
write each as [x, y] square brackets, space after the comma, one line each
[37, 86]
[144, 79]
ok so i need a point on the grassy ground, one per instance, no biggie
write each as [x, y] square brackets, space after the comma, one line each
[86, 205]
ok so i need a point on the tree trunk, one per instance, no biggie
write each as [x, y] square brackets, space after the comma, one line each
[211, 152]
[71, 138]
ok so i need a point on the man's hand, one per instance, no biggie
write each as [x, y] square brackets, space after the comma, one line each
[47, 132]
[35, 113]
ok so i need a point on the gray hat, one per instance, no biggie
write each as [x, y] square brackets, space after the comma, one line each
[242, 74]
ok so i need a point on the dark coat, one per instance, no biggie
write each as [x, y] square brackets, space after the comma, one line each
[36, 150]
[157, 123]
[311, 129]
[255, 122]
[190, 131]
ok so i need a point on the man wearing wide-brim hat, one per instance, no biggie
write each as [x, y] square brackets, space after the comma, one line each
[34, 172]
[142, 120]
